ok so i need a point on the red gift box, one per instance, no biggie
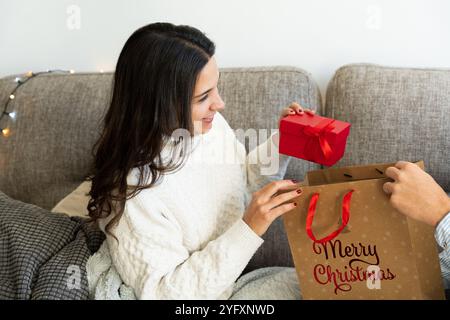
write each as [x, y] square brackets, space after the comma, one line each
[313, 138]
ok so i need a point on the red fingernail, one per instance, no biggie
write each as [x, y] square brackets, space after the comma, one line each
[295, 203]
[294, 181]
[299, 191]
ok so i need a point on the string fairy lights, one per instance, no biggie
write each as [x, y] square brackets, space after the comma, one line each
[6, 131]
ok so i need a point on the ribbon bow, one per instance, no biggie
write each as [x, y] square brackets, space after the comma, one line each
[319, 131]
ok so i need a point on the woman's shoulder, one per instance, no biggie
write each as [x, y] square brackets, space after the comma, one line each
[141, 176]
[133, 177]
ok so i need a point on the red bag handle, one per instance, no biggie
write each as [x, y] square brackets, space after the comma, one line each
[312, 211]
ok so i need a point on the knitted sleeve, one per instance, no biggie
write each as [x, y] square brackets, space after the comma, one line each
[264, 164]
[151, 258]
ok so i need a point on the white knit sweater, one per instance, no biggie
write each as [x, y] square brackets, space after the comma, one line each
[185, 238]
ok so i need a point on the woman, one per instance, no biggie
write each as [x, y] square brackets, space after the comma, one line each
[179, 220]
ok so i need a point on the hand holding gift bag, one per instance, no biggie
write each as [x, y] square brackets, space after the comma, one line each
[348, 242]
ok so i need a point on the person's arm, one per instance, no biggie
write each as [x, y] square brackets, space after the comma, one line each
[442, 235]
[417, 195]
[265, 164]
[151, 256]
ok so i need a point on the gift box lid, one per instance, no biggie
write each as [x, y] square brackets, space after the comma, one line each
[293, 124]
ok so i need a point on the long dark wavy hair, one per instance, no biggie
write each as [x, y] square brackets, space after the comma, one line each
[153, 88]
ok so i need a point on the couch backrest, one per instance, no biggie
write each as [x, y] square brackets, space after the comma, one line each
[48, 151]
[59, 119]
[396, 114]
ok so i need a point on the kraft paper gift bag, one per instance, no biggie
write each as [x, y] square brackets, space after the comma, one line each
[348, 242]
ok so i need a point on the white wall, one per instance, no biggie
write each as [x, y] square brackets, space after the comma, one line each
[319, 35]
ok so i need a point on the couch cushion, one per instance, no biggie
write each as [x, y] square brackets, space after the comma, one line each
[59, 116]
[396, 114]
[49, 149]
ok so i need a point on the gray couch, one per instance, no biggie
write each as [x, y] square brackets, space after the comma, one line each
[396, 113]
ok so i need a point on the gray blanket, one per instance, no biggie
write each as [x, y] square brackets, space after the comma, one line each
[43, 254]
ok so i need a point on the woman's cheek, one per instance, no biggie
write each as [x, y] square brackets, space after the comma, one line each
[202, 110]
[197, 112]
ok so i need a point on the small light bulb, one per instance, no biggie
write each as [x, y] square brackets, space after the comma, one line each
[12, 114]
[5, 132]
[29, 73]
[11, 96]
[101, 70]
[17, 79]
[72, 71]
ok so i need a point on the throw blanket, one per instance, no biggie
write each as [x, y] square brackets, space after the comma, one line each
[43, 254]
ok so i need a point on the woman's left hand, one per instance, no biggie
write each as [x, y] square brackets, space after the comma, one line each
[295, 108]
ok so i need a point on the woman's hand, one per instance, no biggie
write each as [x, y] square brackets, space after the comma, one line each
[265, 206]
[415, 193]
[294, 108]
